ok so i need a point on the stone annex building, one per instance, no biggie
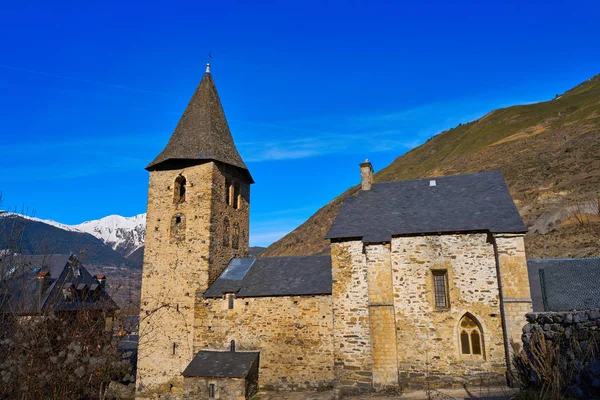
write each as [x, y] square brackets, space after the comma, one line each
[427, 280]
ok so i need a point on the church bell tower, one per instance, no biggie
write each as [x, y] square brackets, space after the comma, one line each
[197, 220]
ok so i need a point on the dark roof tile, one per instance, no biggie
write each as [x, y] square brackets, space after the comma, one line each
[459, 203]
[202, 133]
[278, 276]
[564, 284]
[221, 364]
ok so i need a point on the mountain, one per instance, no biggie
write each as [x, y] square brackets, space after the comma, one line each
[124, 234]
[549, 153]
[29, 236]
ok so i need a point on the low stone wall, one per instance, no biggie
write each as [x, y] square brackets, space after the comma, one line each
[564, 347]
[578, 325]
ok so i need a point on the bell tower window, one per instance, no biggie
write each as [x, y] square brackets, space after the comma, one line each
[235, 241]
[236, 195]
[179, 190]
[226, 232]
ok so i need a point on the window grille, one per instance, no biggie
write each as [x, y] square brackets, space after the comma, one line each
[440, 287]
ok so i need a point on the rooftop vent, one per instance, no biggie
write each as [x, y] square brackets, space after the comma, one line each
[432, 183]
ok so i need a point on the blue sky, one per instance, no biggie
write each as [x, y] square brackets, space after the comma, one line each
[90, 92]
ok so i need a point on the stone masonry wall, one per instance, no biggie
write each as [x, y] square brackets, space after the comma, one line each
[512, 265]
[225, 388]
[382, 317]
[175, 268]
[351, 330]
[428, 338]
[219, 253]
[293, 334]
[184, 253]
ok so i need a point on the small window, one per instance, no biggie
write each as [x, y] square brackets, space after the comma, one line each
[178, 226]
[470, 336]
[236, 195]
[179, 190]
[226, 232]
[227, 191]
[211, 391]
[235, 240]
[230, 301]
[440, 288]
[174, 348]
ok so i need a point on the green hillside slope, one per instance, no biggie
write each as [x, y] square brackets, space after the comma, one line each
[549, 153]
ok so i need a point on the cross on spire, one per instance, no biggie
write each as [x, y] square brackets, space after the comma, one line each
[208, 61]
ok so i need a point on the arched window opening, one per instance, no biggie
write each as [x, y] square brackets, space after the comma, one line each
[235, 241]
[227, 191]
[470, 336]
[236, 195]
[226, 232]
[178, 227]
[179, 190]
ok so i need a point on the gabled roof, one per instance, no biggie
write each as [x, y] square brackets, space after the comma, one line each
[459, 203]
[564, 284]
[274, 276]
[221, 364]
[202, 133]
[27, 297]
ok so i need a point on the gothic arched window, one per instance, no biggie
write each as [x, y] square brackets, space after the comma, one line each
[226, 232]
[235, 240]
[471, 339]
[179, 190]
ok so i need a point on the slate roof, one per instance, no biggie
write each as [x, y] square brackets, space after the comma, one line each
[221, 364]
[277, 276]
[458, 203]
[564, 284]
[23, 287]
[202, 133]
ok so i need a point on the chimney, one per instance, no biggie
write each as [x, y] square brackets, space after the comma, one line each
[101, 280]
[366, 175]
[43, 278]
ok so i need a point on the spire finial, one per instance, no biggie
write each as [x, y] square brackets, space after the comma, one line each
[208, 62]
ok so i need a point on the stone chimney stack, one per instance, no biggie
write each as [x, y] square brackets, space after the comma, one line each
[366, 175]
[101, 280]
[43, 282]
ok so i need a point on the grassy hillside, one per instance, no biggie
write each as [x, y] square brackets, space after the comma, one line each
[549, 153]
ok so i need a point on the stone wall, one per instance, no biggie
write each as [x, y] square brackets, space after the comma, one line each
[381, 315]
[294, 335]
[225, 388]
[351, 328]
[568, 345]
[577, 325]
[514, 279]
[428, 337]
[184, 254]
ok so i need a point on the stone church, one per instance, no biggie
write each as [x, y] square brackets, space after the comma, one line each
[426, 283]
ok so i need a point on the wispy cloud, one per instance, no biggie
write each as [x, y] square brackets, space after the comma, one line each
[88, 81]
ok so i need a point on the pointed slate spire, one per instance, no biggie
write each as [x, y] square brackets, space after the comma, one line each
[202, 132]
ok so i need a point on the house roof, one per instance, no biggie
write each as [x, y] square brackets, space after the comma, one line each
[221, 364]
[274, 276]
[26, 295]
[564, 284]
[458, 203]
[202, 133]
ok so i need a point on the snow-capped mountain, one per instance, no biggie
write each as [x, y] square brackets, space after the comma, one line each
[125, 235]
